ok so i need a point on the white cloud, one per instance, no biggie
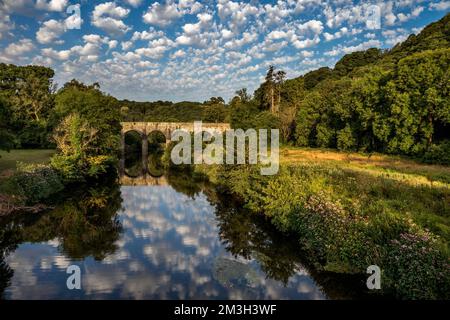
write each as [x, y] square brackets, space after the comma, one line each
[236, 13]
[57, 55]
[108, 17]
[395, 36]
[19, 48]
[156, 48]
[442, 5]
[5, 24]
[162, 14]
[247, 38]
[50, 31]
[360, 47]
[53, 29]
[226, 34]
[178, 54]
[303, 44]
[414, 14]
[339, 34]
[134, 3]
[314, 26]
[126, 45]
[146, 35]
[52, 5]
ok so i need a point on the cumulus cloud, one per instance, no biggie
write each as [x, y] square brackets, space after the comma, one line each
[57, 55]
[50, 30]
[156, 48]
[442, 5]
[360, 47]
[414, 14]
[5, 24]
[16, 51]
[163, 14]
[19, 48]
[134, 3]
[146, 35]
[339, 34]
[236, 13]
[108, 17]
[247, 37]
[53, 29]
[52, 5]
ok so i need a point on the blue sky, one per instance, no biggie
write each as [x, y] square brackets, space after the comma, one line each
[192, 50]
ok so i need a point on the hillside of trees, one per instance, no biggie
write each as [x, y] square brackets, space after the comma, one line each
[394, 101]
[213, 110]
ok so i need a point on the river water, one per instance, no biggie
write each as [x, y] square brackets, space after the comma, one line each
[155, 238]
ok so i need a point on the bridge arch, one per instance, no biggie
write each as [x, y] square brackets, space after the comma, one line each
[145, 128]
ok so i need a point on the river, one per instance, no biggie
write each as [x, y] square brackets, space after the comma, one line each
[156, 238]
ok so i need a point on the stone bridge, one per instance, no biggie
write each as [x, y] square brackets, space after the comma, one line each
[145, 128]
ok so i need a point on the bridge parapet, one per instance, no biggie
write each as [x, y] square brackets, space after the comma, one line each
[145, 128]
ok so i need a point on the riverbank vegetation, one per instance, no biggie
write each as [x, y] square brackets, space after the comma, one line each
[348, 214]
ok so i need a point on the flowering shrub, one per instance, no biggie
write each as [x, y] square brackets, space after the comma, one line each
[415, 268]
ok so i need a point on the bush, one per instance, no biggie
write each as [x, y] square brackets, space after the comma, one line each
[416, 269]
[73, 168]
[79, 157]
[33, 183]
[438, 154]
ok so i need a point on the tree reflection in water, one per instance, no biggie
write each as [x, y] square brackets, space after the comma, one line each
[247, 235]
[87, 225]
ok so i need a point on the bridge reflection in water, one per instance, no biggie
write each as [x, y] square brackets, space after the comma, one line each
[144, 175]
[144, 180]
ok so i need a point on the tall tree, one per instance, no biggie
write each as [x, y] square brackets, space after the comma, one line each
[270, 88]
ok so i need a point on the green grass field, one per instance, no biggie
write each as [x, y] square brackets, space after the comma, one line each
[8, 160]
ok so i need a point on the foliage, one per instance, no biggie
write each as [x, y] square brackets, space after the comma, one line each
[416, 269]
[33, 183]
[26, 95]
[438, 153]
[88, 135]
[80, 152]
[101, 112]
[6, 136]
[348, 220]
[213, 110]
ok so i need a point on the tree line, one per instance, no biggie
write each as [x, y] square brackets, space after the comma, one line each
[394, 101]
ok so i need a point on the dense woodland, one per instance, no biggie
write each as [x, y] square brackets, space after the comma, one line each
[394, 101]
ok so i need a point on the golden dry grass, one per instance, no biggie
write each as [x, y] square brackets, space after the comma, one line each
[396, 168]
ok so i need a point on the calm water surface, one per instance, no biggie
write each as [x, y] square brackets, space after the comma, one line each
[148, 238]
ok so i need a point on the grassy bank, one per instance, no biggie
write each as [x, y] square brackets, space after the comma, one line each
[350, 211]
[8, 160]
[26, 180]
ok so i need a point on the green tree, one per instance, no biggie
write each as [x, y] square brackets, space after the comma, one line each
[6, 136]
[88, 136]
[418, 97]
